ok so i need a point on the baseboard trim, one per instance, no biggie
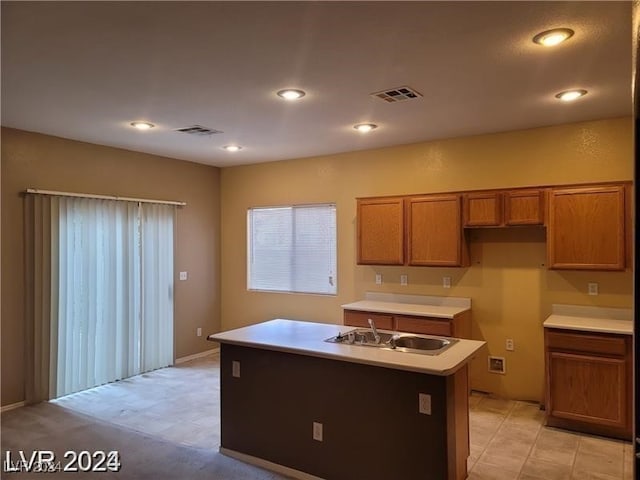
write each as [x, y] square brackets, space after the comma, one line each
[12, 406]
[267, 465]
[188, 358]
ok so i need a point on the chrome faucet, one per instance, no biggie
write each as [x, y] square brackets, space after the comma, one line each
[374, 330]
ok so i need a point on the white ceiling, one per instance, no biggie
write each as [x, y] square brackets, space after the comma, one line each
[85, 70]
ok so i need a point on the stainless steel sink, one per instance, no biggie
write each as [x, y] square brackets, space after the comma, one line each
[400, 342]
[420, 344]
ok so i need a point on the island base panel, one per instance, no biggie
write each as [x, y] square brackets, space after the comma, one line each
[371, 425]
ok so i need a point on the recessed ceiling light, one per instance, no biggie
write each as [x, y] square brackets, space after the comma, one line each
[551, 38]
[365, 127]
[570, 95]
[291, 94]
[142, 125]
[232, 148]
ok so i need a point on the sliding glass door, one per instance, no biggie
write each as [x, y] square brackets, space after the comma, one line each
[97, 338]
[114, 291]
[100, 291]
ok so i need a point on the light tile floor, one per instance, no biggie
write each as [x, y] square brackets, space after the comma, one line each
[510, 442]
[508, 439]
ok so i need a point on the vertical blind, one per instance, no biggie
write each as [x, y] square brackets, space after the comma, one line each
[292, 249]
[97, 293]
[157, 286]
[108, 306]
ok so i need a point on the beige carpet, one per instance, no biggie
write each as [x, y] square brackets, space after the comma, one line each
[47, 426]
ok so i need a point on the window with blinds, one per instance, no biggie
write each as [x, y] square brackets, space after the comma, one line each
[292, 249]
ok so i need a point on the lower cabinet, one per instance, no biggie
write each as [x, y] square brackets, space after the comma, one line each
[588, 382]
[459, 326]
[361, 319]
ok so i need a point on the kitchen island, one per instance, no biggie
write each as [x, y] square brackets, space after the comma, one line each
[312, 409]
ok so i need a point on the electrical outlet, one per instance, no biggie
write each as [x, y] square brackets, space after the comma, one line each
[235, 369]
[424, 403]
[593, 288]
[378, 279]
[317, 431]
[446, 282]
[183, 275]
[198, 332]
[404, 279]
[509, 345]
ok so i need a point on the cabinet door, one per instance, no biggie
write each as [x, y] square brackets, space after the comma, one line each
[380, 231]
[524, 207]
[434, 231]
[483, 209]
[361, 319]
[586, 228]
[587, 389]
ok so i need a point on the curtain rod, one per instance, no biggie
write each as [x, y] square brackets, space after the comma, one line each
[104, 197]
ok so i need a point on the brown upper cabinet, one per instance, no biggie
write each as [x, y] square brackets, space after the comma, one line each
[434, 231]
[430, 226]
[586, 229]
[381, 231]
[482, 209]
[588, 226]
[524, 207]
[504, 208]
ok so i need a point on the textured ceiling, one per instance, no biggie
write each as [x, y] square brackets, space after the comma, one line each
[85, 70]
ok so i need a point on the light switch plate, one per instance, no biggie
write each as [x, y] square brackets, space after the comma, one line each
[235, 369]
[183, 275]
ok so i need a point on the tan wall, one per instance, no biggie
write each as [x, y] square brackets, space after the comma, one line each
[511, 290]
[40, 161]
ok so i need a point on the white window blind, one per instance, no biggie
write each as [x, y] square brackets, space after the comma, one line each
[292, 249]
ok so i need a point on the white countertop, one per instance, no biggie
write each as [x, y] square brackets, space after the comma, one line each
[307, 338]
[405, 309]
[417, 305]
[591, 319]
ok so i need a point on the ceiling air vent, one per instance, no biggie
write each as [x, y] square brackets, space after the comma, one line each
[198, 130]
[397, 94]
